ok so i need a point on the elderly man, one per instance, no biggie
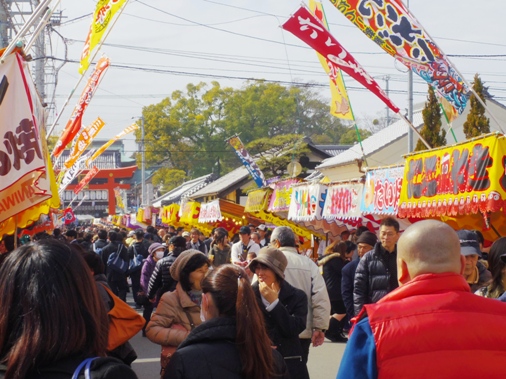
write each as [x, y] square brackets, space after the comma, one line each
[427, 327]
[302, 273]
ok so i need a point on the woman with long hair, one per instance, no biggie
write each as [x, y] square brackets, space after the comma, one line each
[337, 255]
[497, 285]
[179, 311]
[232, 342]
[52, 317]
[284, 308]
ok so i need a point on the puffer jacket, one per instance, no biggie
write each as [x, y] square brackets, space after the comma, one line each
[148, 267]
[161, 278]
[372, 277]
[210, 351]
[170, 311]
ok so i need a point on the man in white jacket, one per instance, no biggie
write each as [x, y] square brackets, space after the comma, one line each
[301, 272]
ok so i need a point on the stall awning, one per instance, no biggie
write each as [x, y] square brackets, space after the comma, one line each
[381, 192]
[462, 179]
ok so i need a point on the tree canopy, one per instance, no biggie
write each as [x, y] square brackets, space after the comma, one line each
[187, 130]
[431, 131]
[476, 123]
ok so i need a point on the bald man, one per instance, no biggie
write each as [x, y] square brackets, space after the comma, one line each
[432, 326]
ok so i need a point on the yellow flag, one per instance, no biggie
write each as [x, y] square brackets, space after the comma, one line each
[104, 147]
[83, 140]
[104, 14]
[340, 104]
[449, 110]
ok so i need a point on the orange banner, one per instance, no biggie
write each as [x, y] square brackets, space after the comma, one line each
[74, 124]
[83, 140]
[90, 175]
[104, 147]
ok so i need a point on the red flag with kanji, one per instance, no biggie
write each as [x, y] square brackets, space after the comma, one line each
[68, 216]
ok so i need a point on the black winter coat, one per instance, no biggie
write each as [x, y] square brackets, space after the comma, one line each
[161, 281]
[113, 247]
[210, 352]
[332, 273]
[373, 278]
[101, 368]
[284, 324]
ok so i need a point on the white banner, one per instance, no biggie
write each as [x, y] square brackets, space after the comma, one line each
[210, 212]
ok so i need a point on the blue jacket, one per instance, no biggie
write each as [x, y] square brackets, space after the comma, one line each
[347, 286]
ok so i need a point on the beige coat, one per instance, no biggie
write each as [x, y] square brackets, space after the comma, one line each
[169, 312]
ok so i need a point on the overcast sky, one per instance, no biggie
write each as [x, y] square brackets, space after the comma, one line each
[163, 45]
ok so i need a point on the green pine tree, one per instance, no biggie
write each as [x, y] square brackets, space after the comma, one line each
[431, 131]
[476, 123]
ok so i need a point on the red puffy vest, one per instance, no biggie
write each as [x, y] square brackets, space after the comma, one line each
[433, 327]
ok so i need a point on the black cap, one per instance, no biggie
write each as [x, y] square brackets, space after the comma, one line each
[245, 230]
[469, 244]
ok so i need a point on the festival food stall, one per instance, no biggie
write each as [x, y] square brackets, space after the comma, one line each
[464, 185]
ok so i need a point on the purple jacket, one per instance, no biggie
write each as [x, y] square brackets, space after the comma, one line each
[147, 269]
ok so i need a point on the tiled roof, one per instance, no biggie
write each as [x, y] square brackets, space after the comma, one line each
[334, 149]
[221, 184]
[184, 190]
[374, 143]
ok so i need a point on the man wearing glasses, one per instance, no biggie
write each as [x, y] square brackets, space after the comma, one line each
[376, 273]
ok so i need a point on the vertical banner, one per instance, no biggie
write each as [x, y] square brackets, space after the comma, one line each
[74, 124]
[72, 173]
[24, 179]
[390, 25]
[128, 129]
[343, 201]
[83, 140]
[310, 30]
[247, 161]
[102, 17]
[340, 103]
[90, 175]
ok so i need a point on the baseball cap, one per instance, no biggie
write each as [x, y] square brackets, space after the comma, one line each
[131, 233]
[469, 244]
[186, 234]
[262, 227]
[245, 230]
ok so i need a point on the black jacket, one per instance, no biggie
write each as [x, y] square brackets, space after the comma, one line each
[101, 368]
[113, 247]
[210, 352]
[140, 248]
[332, 273]
[161, 281]
[373, 277]
[284, 323]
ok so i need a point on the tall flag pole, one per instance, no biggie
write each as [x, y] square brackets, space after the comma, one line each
[309, 29]
[340, 103]
[247, 161]
[107, 13]
[75, 122]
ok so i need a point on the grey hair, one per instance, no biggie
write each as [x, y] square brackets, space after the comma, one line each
[284, 235]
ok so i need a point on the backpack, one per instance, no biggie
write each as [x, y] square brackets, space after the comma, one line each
[136, 263]
[116, 263]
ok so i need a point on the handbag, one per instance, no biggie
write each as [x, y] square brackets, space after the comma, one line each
[168, 351]
[116, 263]
[86, 364]
[124, 322]
[142, 298]
[136, 263]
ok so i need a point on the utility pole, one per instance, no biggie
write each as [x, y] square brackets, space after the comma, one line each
[410, 106]
[143, 165]
[387, 79]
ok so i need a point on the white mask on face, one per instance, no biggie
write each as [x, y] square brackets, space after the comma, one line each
[159, 254]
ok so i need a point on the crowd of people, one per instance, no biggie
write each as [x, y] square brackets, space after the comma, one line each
[249, 305]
